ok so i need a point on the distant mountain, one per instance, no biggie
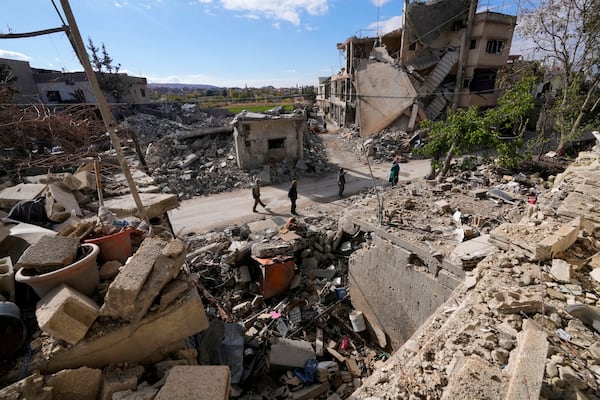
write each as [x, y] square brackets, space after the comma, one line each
[182, 86]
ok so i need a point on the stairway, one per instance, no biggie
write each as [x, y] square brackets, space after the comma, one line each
[439, 73]
[439, 103]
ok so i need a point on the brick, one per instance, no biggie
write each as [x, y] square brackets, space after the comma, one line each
[148, 340]
[123, 291]
[66, 314]
[201, 382]
[75, 384]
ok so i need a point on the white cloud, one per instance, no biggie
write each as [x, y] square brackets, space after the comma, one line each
[280, 10]
[380, 2]
[13, 55]
[387, 25]
[118, 5]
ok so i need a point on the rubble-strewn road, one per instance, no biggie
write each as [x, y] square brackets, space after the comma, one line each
[202, 214]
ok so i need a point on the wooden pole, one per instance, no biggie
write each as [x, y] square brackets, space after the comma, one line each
[107, 117]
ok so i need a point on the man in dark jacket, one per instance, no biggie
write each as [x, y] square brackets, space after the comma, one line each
[341, 181]
[293, 195]
[256, 195]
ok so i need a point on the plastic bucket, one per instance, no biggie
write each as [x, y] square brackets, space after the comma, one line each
[341, 292]
[114, 247]
[12, 329]
[358, 321]
[82, 275]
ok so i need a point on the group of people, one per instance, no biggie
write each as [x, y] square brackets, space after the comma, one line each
[292, 194]
[341, 181]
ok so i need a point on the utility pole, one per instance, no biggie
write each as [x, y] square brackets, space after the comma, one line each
[107, 117]
[464, 52]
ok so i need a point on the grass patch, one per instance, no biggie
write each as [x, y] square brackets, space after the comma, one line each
[251, 108]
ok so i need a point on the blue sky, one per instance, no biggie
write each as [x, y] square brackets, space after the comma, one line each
[218, 42]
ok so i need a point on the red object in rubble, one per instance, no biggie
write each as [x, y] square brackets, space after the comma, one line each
[345, 343]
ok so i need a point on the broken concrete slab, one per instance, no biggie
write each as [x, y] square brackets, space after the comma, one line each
[527, 365]
[60, 203]
[474, 378]
[201, 382]
[144, 391]
[120, 380]
[49, 253]
[290, 353]
[124, 289]
[155, 204]
[472, 251]
[561, 270]
[157, 334]
[32, 387]
[270, 250]
[165, 269]
[66, 314]
[22, 192]
[75, 384]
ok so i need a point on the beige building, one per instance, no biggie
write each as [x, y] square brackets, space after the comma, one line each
[411, 74]
[56, 87]
[260, 139]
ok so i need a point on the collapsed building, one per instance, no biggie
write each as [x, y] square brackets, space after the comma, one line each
[444, 54]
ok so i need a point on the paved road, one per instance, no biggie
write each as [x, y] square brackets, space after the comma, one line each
[202, 214]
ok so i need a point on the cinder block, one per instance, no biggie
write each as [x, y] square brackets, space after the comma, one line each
[66, 314]
[199, 382]
[7, 279]
[75, 384]
[290, 353]
[122, 292]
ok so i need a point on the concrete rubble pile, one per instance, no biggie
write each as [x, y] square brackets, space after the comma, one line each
[193, 157]
[523, 321]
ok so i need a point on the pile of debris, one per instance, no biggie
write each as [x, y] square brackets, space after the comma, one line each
[199, 158]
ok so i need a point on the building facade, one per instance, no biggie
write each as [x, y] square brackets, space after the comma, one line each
[413, 73]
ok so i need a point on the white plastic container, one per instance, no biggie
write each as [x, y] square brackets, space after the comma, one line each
[358, 321]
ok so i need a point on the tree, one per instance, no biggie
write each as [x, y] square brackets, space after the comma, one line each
[467, 130]
[110, 80]
[565, 34]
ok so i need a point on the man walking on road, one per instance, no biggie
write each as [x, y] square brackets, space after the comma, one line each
[293, 195]
[341, 181]
[256, 195]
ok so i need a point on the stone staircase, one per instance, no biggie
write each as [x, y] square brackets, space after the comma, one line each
[439, 103]
[439, 73]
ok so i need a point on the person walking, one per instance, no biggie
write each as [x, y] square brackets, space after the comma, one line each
[341, 181]
[293, 195]
[256, 195]
[394, 172]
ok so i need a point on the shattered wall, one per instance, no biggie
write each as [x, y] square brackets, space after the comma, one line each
[259, 141]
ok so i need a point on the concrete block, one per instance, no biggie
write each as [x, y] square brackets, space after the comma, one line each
[123, 291]
[560, 240]
[527, 365]
[199, 382]
[144, 391]
[442, 205]
[7, 279]
[166, 268]
[561, 270]
[120, 380]
[75, 384]
[66, 314]
[22, 192]
[60, 202]
[49, 253]
[290, 353]
[156, 335]
[172, 291]
[595, 274]
[87, 181]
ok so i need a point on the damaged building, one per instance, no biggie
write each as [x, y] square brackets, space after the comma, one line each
[262, 139]
[445, 54]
